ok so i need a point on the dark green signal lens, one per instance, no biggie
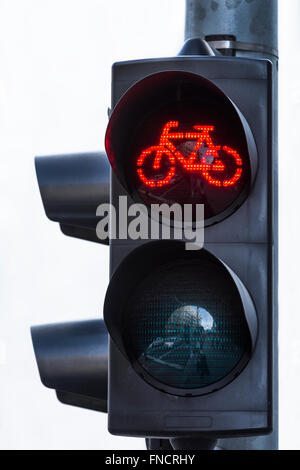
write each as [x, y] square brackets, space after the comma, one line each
[185, 325]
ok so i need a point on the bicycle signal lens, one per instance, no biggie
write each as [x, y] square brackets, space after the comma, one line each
[176, 138]
[197, 155]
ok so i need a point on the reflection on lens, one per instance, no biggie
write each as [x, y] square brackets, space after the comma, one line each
[185, 324]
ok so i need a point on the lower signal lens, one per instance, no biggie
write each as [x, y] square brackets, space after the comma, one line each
[175, 137]
[186, 327]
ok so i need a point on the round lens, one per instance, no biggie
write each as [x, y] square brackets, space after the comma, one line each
[177, 138]
[185, 325]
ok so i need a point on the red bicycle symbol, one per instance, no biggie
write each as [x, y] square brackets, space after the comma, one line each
[209, 162]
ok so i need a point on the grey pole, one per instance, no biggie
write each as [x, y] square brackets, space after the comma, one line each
[236, 27]
[244, 28]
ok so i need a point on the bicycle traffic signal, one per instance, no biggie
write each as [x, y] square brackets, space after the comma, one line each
[72, 357]
[191, 330]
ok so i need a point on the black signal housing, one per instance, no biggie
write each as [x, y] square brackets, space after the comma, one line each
[238, 238]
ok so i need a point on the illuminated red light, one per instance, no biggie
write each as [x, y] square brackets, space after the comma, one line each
[167, 149]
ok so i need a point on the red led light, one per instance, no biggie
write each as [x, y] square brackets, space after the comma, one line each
[203, 162]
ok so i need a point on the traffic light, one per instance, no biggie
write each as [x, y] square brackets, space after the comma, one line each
[72, 357]
[191, 330]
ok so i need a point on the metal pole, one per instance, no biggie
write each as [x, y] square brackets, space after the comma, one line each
[245, 28]
[239, 27]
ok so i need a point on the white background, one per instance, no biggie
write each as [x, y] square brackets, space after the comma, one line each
[55, 62]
